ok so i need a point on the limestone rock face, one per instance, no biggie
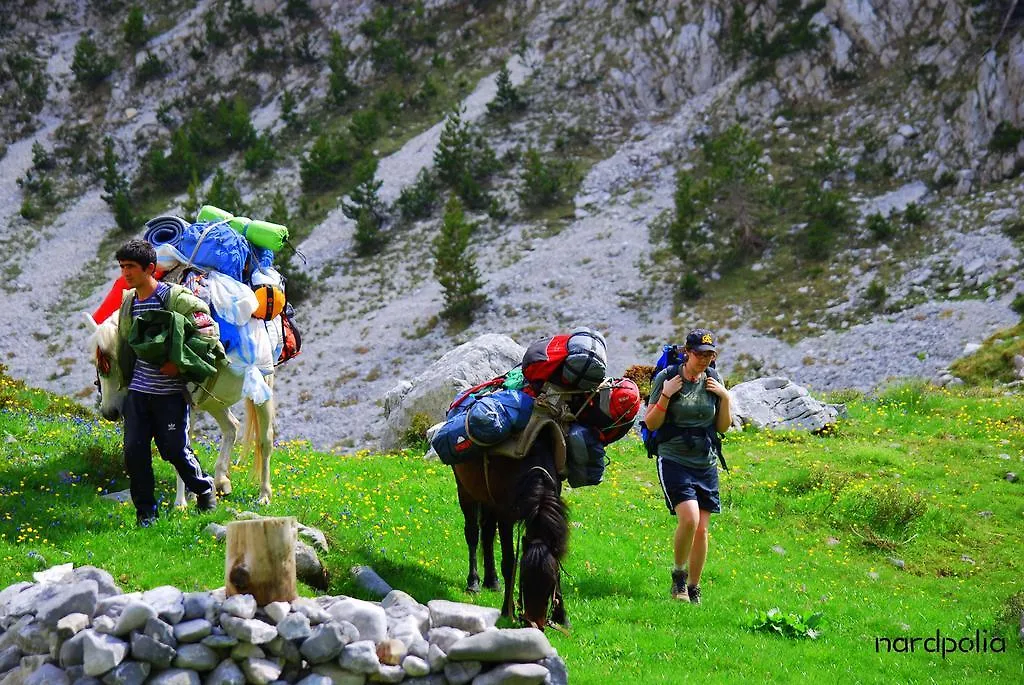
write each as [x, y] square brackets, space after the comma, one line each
[430, 392]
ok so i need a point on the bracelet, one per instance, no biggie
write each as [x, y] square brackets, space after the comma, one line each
[658, 405]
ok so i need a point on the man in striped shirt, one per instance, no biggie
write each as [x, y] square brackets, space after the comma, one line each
[157, 404]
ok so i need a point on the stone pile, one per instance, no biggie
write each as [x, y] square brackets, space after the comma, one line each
[76, 627]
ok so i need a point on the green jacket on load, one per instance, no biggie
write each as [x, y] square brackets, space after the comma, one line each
[159, 336]
[179, 300]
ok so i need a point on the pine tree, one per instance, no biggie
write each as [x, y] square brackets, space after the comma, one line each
[507, 99]
[341, 86]
[455, 266]
[279, 209]
[453, 154]
[116, 188]
[190, 207]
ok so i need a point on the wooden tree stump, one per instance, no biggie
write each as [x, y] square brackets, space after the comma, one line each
[260, 559]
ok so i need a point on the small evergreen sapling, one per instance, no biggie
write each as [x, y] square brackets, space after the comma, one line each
[455, 266]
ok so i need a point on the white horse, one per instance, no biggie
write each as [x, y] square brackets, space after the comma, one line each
[226, 390]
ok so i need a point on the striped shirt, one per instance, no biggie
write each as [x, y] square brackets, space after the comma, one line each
[147, 377]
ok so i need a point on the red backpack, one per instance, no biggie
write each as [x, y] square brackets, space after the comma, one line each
[292, 336]
[543, 359]
[612, 410]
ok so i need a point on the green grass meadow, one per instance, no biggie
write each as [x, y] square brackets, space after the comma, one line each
[897, 524]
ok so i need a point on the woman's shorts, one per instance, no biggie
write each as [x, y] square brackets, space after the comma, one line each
[681, 483]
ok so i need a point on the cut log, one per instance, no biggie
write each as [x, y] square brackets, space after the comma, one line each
[260, 559]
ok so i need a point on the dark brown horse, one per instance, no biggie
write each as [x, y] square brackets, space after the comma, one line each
[497, 492]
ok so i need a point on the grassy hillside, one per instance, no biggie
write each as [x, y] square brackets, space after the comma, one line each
[899, 523]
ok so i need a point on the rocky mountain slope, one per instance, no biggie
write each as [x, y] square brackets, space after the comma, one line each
[886, 105]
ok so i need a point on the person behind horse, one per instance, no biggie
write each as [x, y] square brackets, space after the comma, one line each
[157, 404]
[689, 406]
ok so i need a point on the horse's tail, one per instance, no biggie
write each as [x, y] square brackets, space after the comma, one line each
[254, 431]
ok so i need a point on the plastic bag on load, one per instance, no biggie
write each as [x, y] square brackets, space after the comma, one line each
[233, 301]
[268, 275]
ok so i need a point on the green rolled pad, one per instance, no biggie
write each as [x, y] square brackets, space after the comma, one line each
[258, 232]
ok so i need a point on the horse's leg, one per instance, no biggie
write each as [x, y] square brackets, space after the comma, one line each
[489, 527]
[228, 425]
[179, 494]
[471, 530]
[263, 415]
[508, 565]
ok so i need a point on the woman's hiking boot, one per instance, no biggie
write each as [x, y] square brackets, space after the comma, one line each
[679, 586]
[694, 592]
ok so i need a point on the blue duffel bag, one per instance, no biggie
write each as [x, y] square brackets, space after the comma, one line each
[480, 423]
[585, 457]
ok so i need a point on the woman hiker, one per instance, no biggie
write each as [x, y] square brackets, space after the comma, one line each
[692, 403]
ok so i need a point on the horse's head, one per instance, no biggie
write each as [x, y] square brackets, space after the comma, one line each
[544, 545]
[103, 346]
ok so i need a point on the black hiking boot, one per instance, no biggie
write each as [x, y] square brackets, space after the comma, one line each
[679, 586]
[694, 592]
[207, 501]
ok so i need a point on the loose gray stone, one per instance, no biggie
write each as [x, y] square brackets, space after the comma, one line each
[513, 674]
[244, 650]
[113, 605]
[104, 624]
[28, 599]
[276, 611]
[196, 657]
[199, 605]
[168, 601]
[436, 658]
[219, 532]
[391, 652]
[79, 597]
[128, 673]
[260, 671]
[432, 679]
[460, 672]
[47, 674]
[388, 674]
[444, 637]
[11, 636]
[9, 658]
[557, 672]
[104, 581]
[36, 638]
[101, 653]
[71, 625]
[284, 649]
[76, 674]
[249, 630]
[415, 666]
[145, 648]
[72, 651]
[242, 606]
[161, 632]
[338, 675]
[294, 627]
[315, 536]
[360, 657]
[133, 617]
[311, 610]
[514, 644]
[468, 617]
[175, 676]
[368, 618]
[220, 641]
[9, 593]
[1011, 477]
[192, 630]
[316, 679]
[324, 643]
[226, 673]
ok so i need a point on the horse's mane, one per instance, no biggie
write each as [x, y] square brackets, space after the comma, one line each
[105, 336]
[544, 514]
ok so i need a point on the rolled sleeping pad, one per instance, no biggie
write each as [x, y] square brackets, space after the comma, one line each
[164, 230]
[259, 233]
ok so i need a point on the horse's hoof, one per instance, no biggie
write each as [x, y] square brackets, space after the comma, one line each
[223, 486]
[473, 588]
[263, 500]
[493, 585]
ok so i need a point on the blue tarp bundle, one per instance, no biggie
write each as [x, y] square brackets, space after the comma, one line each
[486, 421]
